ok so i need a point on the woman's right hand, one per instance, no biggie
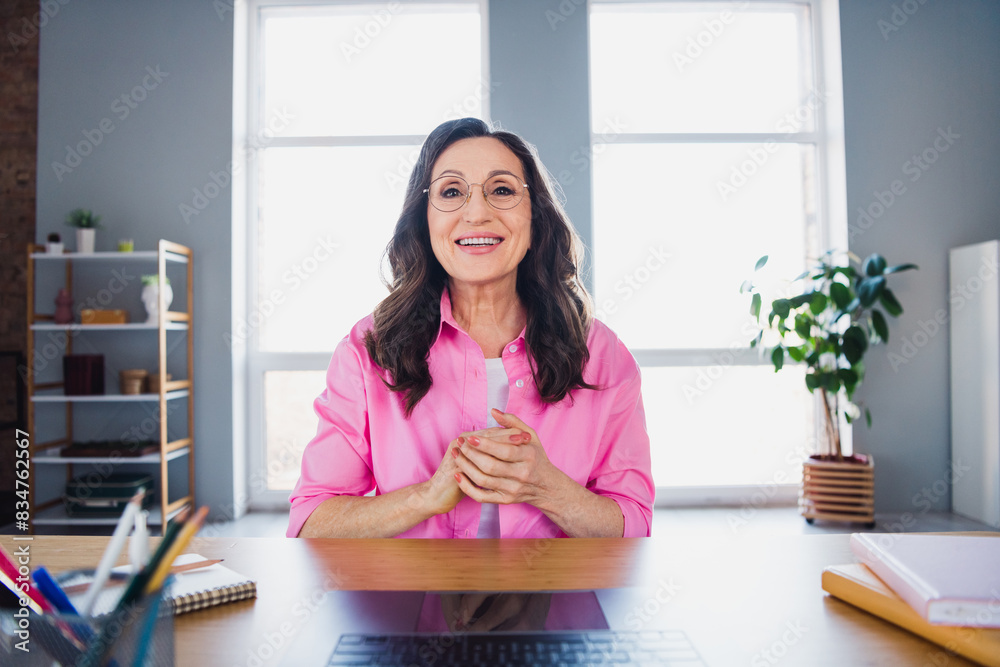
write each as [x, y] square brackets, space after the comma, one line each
[441, 492]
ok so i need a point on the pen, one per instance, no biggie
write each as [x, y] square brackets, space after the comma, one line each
[118, 578]
[52, 592]
[18, 583]
[183, 539]
[111, 553]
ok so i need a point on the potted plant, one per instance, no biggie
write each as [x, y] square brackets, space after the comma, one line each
[828, 326]
[151, 297]
[86, 224]
[53, 244]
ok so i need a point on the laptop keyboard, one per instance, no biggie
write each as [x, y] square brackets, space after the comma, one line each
[500, 649]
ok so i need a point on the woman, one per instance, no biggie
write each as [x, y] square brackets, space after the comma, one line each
[480, 399]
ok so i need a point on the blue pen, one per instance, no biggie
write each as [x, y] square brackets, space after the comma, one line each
[52, 592]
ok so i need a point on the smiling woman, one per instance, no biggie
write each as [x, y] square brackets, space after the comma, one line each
[480, 398]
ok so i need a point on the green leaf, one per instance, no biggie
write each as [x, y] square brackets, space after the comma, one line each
[890, 303]
[797, 353]
[880, 325]
[746, 287]
[812, 382]
[817, 303]
[803, 326]
[841, 295]
[781, 307]
[853, 305]
[869, 289]
[755, 306]
[874, 265]
[800, 300]
[778, 358]
[847, 376]
[760, 263]
[868, 417]
[900, 267]
[855, 343]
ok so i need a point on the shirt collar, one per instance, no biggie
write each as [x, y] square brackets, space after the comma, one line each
[449, 318]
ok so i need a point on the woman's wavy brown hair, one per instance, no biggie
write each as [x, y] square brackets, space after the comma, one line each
[558, 306]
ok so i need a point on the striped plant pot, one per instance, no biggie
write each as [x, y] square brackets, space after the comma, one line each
[835, 490]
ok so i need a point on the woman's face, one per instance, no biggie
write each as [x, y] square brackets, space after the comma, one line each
[479, 245]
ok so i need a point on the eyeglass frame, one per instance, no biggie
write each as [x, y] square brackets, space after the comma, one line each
[482, 187]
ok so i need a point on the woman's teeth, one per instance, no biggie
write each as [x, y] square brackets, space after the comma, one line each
[479, 241]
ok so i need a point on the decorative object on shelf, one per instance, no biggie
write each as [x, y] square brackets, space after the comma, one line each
[829, 327]
[64, 307]
[110, 449]
[126, 245]
[53, 244]
[83, 374]
[86, 224]
[154, 382]
[96, 316]
[150, 297]
[132, 380]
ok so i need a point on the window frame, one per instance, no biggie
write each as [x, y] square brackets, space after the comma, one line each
[258, 362]
[827, 142]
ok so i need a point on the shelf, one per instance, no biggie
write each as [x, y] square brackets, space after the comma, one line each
[109, 398]
[169, 326]
[56, 516]
[121, 460]
[144, 255]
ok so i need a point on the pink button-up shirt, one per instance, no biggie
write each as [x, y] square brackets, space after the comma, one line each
[364, 441]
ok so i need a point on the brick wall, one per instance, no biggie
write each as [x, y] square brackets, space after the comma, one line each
[19, 21]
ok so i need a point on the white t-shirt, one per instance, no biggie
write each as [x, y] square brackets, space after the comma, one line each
[497, 393]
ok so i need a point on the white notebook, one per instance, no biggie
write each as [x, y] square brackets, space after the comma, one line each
[947, 579]
[196, 589]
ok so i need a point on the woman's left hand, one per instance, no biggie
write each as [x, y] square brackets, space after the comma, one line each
[506, 465]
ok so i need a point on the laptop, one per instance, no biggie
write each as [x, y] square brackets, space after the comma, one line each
[435, 629]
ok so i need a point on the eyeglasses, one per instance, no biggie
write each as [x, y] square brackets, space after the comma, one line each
[450, 193]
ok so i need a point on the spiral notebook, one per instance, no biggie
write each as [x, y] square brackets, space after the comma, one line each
[189, 591]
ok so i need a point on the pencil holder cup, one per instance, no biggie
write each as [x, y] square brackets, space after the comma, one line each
[138, 634]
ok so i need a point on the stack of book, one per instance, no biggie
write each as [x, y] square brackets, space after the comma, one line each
[945, 588]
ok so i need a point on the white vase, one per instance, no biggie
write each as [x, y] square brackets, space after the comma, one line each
[85, 239]
[150, 299]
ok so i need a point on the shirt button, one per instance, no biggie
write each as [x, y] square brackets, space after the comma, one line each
[519, 384]
[512, 348]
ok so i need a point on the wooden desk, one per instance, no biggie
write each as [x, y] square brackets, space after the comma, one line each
[741, 601]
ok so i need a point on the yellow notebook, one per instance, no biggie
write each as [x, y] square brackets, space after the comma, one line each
[857, 585]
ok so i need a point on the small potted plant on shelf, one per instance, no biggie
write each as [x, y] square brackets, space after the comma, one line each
[53, 244]
[828, 327]
[86, 224]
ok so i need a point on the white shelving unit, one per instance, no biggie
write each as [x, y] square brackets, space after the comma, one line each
[47, 454]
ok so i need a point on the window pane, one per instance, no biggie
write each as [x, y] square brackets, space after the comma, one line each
[326, 215]
[698, 67]
[290, 422]
[372, 69]
[767, 424]
[671, 248]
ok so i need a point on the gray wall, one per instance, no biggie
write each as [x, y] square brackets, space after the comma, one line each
[903, 88]
[937, 71]
[139, 173]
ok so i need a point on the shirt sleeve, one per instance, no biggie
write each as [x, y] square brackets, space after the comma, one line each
[623, 470]
[338, 460]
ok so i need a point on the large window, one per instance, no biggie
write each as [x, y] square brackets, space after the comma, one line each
[340, 98]
[709, 150]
